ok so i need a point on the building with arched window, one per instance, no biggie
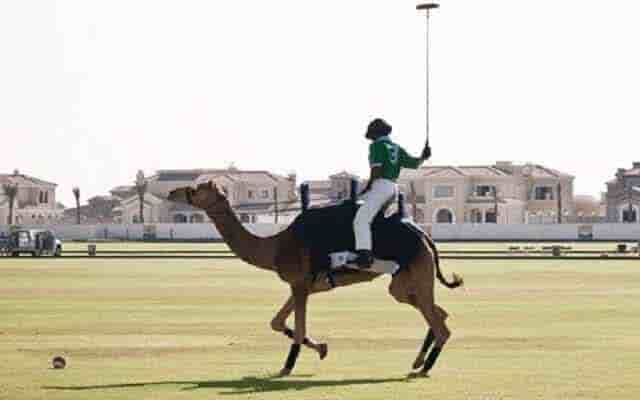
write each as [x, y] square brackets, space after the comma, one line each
[623, 196]
[35, 202]
[252, 194]
[503, 193]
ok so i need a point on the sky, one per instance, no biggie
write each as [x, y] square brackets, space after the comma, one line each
[92, 91]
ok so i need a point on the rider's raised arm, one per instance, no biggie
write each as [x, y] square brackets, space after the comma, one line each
[408, 161]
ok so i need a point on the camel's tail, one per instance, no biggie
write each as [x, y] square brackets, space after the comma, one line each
[457, 280]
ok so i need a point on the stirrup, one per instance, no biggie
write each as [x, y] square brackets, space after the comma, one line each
[364, 259]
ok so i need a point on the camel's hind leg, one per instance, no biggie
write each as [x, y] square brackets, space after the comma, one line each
[422, 355]
[415, 286]
[422, 360]
[279, 324]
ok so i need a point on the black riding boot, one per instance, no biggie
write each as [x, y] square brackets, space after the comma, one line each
[365, 259]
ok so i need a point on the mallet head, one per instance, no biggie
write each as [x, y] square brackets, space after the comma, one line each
[427, 6]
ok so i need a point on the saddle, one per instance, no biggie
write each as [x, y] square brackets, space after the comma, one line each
[329, 231]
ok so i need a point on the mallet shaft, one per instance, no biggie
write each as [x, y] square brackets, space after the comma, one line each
[427, 7]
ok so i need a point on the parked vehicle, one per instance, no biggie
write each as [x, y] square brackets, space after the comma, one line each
[4, 243]
[36, 242]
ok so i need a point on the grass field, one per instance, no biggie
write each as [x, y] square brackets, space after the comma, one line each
[447, 246]
[199, 329]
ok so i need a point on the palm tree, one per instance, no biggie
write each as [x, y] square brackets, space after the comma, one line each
[414, 201]
[76, 194]
[11, 191]
[141, 189]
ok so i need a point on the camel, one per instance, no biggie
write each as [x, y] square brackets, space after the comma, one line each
[285, 255]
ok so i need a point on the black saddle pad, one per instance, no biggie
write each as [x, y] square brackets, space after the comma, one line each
[330, 229]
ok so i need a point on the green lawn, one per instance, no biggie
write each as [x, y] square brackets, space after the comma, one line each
[199, 329]
[449, 246]
[139, 246]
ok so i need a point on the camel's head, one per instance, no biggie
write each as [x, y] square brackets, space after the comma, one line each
[205, 196]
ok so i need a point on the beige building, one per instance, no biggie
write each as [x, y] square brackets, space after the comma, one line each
[623, 195]
[503, 193]
[589, 209]
[252, 194]
[98, 210]
[35, 202]
[334, 189]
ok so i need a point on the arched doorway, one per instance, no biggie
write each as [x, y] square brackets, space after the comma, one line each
[629, 216]
[491, 217]
[444, 216]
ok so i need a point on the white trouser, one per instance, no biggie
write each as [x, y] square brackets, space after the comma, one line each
[381, 192]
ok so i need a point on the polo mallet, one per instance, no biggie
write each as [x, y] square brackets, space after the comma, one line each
[426, 359]
[427, 7]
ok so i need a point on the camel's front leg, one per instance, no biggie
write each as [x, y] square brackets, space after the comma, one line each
[300, 296]
[279, 324]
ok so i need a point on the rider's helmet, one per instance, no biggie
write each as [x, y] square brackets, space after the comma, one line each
[378, 127]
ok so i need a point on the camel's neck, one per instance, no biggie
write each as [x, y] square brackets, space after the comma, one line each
[257, 251]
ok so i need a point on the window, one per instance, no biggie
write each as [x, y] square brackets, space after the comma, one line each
[179, 218]
[264, 194]
[444, 216]
[41, 199]
[491, 217]
[485, 191]
[629, 216]
[46, 197]
[543, 193]
[443, 192]
[250, 194]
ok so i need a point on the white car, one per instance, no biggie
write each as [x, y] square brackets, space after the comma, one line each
[36, 242]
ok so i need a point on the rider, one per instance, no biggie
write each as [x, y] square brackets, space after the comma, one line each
[386, 159]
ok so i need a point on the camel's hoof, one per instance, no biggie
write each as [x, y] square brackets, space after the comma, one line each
[278, 327]
[323, 350]
[284, 372]
[420, 374]
[418, 363]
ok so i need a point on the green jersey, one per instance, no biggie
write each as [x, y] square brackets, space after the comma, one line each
[391, 157]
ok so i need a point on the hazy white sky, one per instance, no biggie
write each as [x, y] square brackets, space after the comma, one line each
[91, 91]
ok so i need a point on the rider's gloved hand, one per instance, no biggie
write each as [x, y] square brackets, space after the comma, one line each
[426, 152]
